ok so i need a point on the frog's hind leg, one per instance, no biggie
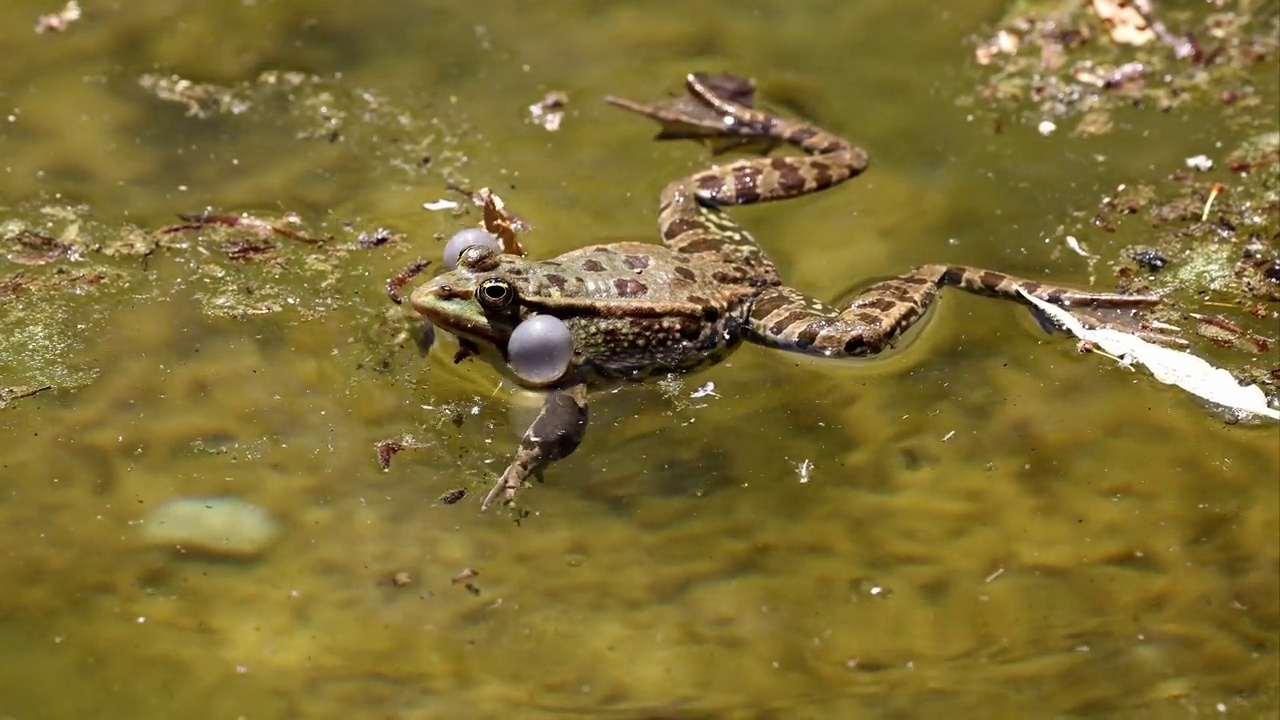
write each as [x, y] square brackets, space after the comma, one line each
[785, 318]
[689, 219]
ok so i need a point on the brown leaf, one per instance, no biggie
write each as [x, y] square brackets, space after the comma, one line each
[500, 222]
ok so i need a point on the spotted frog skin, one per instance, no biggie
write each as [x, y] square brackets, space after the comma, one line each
[636, 310]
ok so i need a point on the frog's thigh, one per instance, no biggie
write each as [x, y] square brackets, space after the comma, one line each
[560, 425]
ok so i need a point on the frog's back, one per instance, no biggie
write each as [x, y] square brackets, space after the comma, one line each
[645, 310]
[633, 271]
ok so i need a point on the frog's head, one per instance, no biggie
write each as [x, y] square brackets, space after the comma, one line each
[479, 300]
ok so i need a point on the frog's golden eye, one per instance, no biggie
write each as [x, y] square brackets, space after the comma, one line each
[495, 293]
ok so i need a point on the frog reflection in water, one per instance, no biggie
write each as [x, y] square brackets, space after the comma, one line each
[636, 310]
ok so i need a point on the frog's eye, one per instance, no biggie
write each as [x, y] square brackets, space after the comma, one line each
[495, 293]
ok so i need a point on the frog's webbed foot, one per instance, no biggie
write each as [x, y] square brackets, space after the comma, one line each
[695, 116]
[1109, 319]
[719, 110]
[554, 434]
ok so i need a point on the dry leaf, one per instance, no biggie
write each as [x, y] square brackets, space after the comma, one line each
[500, 222]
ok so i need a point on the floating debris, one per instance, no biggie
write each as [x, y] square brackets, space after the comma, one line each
[441, 204]
[549, 111]
[1214, 191]
[9, 394]
[386, 450]
[378, 237]
[201, 100]
[1125, 21]
[259, 227]
[40, 249]
[397, 282]
[1080, 64]
[1077, 248]
[707, 390]
[1004, 43]
[59, 21]
[804, 471]
[454, 496]
[1200, 162]
[1148, 259]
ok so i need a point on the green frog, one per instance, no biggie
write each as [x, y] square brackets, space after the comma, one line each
[637, 310]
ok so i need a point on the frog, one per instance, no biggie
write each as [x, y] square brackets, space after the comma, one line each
[637, 310]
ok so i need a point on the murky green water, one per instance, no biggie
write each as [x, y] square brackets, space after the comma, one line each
[994, 525]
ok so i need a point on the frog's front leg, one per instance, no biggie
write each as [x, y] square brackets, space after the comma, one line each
[785, 318]
[554, 434]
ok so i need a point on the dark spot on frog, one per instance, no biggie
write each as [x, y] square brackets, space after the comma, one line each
[679, 226]
[635, 262]
[591, 265]
[703, 244]
[989, 279]
[685, 273]
[709, 311]
[709, 184]
[857, 346]
[809, 335]
[793, 317]
[790, 179]
[734, 275]
[767, 306]
[628, 287]
[557, 281]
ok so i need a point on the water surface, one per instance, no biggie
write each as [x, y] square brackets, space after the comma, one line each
[994, 525]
